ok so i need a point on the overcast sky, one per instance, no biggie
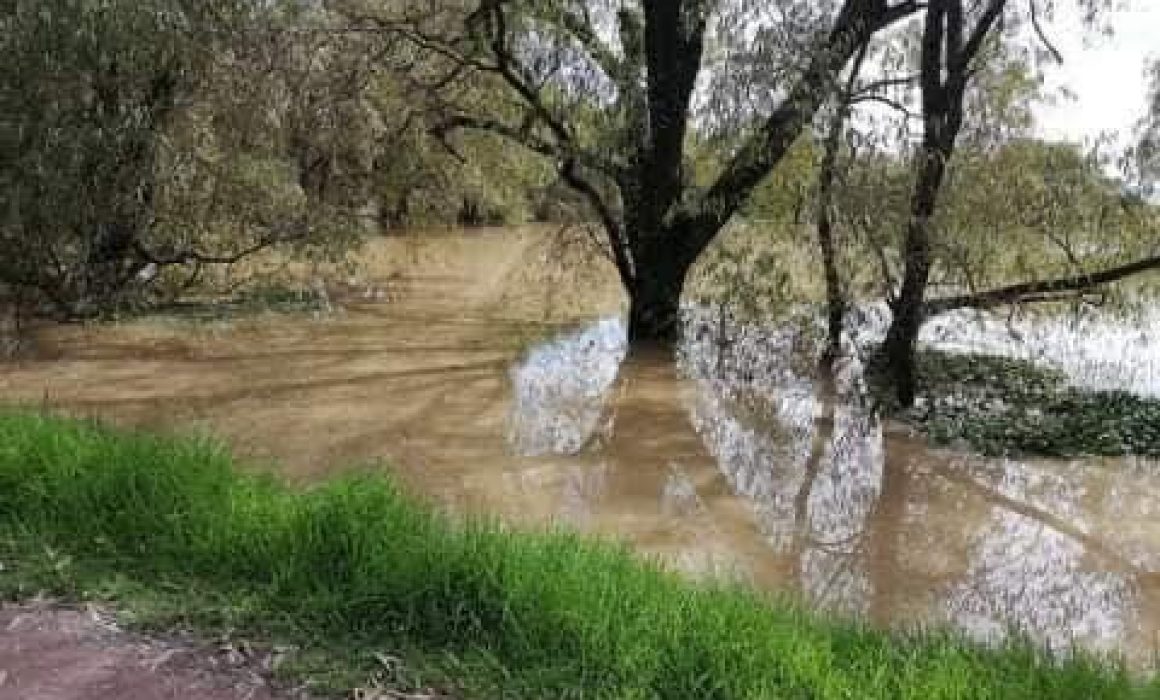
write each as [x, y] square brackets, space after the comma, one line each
[1107, 74]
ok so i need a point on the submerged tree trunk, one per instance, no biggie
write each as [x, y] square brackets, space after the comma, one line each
[900, 351]
[654, 316]
[948, 51]
[908, 308]
[902, 338]
[835, 295]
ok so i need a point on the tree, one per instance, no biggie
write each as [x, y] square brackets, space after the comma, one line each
[608, 92]
[951, 47]
[83, 102]
[140, 136]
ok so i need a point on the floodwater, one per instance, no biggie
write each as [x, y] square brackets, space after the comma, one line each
[488, 385]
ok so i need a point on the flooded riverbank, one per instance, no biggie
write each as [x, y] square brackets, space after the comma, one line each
[490, 387]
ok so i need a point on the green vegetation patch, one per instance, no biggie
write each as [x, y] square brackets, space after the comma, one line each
[1006, 406]
[171, 532]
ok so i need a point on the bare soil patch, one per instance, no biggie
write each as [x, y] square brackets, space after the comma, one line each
[49, 652]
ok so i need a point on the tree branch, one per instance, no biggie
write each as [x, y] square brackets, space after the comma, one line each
[1034, 11]
[191, 255]
[1042, 291]
[513, 73]
[856, 24]
[581, 29]
[889, 102]
[524, 137]
[617, 239]
[971, 49]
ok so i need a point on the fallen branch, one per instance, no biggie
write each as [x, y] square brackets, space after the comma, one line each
[1043, 291]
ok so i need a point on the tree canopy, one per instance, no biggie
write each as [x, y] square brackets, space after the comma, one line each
[145, 141]
[612, 94]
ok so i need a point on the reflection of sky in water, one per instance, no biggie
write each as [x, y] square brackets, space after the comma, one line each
[882, 526]
[1095, 351]
[561, 389]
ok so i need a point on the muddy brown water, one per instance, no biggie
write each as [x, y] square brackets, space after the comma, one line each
[489, 386]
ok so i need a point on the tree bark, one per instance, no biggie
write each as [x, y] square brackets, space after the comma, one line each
[901, 353]
[655, 301]
[902, 338]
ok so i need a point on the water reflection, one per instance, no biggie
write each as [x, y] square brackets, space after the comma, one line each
[1094, 349]
[560, 412]
[752, 464]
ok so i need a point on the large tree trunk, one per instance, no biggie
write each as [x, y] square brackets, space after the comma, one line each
[655, 303]
[661, 263]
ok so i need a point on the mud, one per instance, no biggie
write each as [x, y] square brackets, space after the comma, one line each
[53, 653]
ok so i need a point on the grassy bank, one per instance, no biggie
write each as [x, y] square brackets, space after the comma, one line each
[170, 530]
[1007, 406]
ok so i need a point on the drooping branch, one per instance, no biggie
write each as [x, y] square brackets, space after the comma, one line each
[1059, 289]
[509, 67]
[523, 136]
[618, 240]
[1037, 26]
[579, 26]
[188, 256]
[492, 20]
[544, 130]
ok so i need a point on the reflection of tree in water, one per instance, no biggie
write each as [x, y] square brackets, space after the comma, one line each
[1042, 564]
[809, 461]
[613, 450]
[886, 527]
[861, 522]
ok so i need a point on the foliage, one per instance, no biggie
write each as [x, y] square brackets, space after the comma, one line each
[146, 141]
[1033, 210]
[1005, 406]
[95, 189]
[1019, 210]
[1144, 162]
[354, 566]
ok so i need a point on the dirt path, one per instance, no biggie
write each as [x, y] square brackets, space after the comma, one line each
[53, 653]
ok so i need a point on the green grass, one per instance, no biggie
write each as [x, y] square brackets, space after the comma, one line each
[171, 532]
[1007, 406]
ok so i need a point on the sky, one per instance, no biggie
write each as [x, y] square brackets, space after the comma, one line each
[1107, 74]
